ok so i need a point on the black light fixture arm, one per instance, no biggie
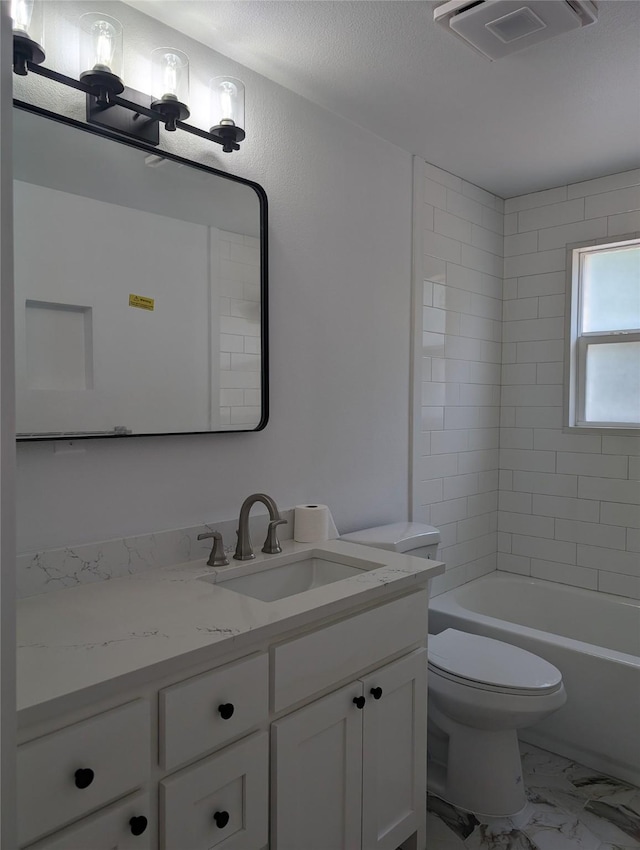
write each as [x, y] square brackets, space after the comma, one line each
[106, 99]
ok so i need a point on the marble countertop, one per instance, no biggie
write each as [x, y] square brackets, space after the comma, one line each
[80, 641]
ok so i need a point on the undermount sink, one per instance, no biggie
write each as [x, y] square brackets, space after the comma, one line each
[278, 582]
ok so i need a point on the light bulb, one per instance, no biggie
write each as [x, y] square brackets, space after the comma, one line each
[228, 94]
[104, 44]
[21, 11]
[170, 75]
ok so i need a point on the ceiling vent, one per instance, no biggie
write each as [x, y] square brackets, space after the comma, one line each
[496, 28]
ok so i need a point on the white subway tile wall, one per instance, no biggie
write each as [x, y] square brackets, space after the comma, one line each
[239, 310]
[456, 462]
[569, 503]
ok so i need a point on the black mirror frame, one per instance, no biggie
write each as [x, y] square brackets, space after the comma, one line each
[264, 271]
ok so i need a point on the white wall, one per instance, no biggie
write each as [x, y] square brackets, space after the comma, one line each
[569, 502]
[7, 459]
[340, 272]
[457, 370]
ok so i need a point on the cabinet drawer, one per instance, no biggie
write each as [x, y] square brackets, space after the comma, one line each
[114, 828]
[220, 802]
[308, 664]
[194, 715]
[109, 753]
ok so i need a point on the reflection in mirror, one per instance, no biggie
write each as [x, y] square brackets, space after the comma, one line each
[140, 286]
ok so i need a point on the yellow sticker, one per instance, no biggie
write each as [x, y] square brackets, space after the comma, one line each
[141, 302]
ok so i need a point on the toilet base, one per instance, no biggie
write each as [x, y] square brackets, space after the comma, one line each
[483, 772]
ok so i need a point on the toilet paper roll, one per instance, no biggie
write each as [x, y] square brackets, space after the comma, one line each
[313, 524]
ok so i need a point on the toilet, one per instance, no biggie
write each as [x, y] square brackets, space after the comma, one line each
[480, 691]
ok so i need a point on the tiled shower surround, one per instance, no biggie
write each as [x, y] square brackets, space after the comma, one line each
[455, 475]
[569, 504]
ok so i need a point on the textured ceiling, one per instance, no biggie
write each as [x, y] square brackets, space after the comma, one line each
[564, 110]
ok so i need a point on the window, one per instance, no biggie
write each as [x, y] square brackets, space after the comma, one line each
[604, 356]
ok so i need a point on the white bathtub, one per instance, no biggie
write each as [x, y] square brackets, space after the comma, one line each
[593, 638]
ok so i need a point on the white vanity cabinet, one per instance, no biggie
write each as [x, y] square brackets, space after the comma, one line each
[312, 737]
[349, 770]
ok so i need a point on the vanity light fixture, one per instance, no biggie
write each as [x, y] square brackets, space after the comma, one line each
[170, 85]
[113, 105]
[27, 35]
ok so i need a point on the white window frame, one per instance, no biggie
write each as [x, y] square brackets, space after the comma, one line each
[578, 342]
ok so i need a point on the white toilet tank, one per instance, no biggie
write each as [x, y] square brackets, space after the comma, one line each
[412, 538]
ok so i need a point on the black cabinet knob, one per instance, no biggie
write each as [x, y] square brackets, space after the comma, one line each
[83, 777]
[221, 819]
[138, 824]
[359, 702]
[226, 710]
[376, 693]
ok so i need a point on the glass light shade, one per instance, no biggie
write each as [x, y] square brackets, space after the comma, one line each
[28, 32]
[227, 102]
[22, 16]
[100, 44]
[170, 75]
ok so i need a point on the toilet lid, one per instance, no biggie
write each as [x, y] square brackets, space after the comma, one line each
[486, 661]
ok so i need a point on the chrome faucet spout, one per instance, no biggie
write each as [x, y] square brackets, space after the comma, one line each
[244, 549]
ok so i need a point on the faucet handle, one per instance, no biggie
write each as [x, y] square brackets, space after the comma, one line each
[217, 558]
[272, 544]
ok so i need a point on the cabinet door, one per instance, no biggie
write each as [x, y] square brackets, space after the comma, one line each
[394, 750]
[317, 775]
[221, 801]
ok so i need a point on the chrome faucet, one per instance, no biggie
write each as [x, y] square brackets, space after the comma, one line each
[244, 550]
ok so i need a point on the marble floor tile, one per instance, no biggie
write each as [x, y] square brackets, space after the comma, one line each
[485, 839]
[570, 807]
[616, 847]
[440, 836]
[559, 830]
[461, 824]
[604, 824]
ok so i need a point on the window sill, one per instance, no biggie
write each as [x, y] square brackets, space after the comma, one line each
[613, 431]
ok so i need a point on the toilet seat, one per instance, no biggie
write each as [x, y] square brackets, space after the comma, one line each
[490, 665]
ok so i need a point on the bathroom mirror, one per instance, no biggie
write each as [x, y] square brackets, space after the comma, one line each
[140, 284]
